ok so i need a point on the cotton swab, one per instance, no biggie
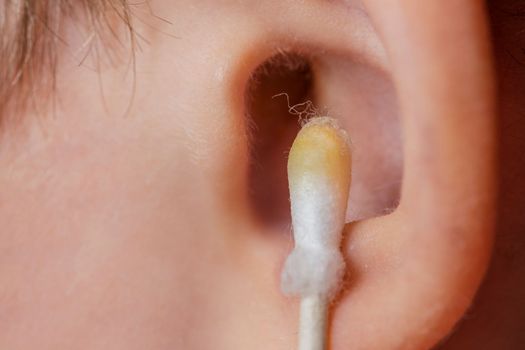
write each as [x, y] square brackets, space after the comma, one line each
[319, 172]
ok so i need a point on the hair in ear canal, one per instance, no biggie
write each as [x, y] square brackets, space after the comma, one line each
[303, 110]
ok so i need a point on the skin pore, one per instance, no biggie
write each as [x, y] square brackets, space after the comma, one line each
[131, 218]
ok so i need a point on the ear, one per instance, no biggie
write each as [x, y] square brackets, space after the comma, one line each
[415, 271]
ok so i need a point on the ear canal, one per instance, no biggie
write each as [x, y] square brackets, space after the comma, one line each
[282, 80]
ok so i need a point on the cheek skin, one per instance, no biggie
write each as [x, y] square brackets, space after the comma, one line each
[127, 229]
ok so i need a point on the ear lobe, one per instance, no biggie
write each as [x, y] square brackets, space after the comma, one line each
[417, 270]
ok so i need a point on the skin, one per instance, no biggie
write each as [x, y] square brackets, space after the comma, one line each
[131, 226]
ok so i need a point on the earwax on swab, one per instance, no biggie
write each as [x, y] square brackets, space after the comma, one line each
[319, 172]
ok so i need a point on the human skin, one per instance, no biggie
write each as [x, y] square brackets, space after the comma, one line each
[127, 217]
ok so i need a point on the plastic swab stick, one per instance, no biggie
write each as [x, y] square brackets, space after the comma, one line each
[319, 173]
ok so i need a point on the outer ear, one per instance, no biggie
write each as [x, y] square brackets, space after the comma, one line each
[416, 271]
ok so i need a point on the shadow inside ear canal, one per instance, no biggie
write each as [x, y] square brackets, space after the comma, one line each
[272, 129]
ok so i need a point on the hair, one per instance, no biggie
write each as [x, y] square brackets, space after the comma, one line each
[30, 38]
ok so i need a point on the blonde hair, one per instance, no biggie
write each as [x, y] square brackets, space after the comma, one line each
[30, 37]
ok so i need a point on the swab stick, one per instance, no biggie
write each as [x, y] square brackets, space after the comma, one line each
[319, 172]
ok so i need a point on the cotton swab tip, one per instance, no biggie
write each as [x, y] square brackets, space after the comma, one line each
[319, 173]
[321, 149]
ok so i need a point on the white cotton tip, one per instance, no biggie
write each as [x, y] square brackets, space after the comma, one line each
[312, 272]
[319, 172]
